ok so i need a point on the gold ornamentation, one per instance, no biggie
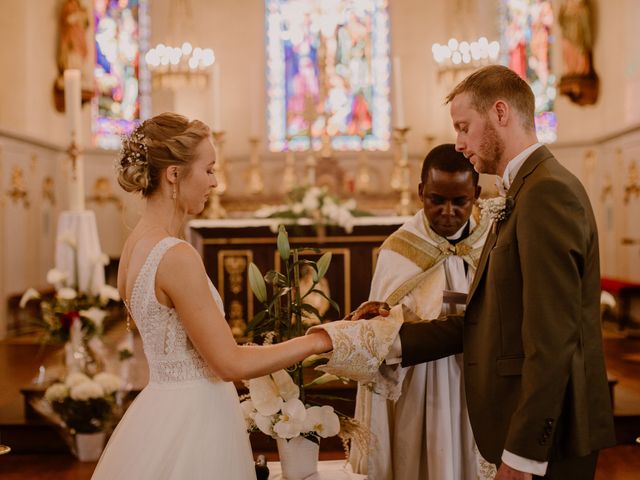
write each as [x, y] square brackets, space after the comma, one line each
[49, 190]
[256, 183]
[74, 152]
[18, 190]
[400, 178]
[214, 208]
[237, 323]
[103, 193]
[632, 187]
[235, 266]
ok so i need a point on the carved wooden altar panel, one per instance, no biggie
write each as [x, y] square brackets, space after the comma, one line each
[228, 246]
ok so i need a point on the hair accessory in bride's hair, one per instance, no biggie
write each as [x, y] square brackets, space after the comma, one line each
[134, 150]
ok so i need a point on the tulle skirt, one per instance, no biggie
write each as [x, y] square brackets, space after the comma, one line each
[188, 430]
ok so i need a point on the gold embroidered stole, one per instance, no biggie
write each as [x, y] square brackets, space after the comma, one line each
[427, 255]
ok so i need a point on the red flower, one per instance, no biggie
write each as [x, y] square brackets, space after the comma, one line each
[68, 318]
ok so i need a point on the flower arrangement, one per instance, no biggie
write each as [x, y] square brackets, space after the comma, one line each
[280, 404]
[317, 204]
[496, 208]
[57, 314]
[84, 404]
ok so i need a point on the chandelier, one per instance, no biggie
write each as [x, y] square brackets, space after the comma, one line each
[462, 55]
[177, 62]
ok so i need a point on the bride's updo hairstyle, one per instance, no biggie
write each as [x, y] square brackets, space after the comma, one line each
[157, 143]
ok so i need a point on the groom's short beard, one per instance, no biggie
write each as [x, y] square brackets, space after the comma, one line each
[491, 149]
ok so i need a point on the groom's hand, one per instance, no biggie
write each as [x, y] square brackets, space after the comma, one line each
[369, 310]
[505, 472]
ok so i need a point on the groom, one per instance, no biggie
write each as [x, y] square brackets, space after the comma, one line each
[535, 377]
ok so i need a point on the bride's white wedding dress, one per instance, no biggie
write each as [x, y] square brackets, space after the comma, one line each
[186, 423]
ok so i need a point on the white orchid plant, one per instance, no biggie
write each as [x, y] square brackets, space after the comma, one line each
[274, 407]
[317, 204]
[84, 404]
[56, 314]
[280, 404]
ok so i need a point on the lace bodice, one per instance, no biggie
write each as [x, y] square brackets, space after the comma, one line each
[169, 351]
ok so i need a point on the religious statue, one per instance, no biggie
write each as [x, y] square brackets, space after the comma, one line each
[579, 81]
[73, 50]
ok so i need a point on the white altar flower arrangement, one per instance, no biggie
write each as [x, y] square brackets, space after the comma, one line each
[317, 204]
[57, 314]
[82, 403]
[281, 404]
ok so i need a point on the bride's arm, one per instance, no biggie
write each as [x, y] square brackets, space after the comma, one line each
[182, 277]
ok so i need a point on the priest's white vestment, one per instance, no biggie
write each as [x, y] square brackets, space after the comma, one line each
[420, 426]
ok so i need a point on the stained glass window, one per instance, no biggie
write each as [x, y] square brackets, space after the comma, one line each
[121, 99]
[328, 73]
[526, 45]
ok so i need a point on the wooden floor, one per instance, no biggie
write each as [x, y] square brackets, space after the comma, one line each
[19, 364]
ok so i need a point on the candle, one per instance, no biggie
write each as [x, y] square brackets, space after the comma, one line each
[254, 125]
[398, 106]
[217, 119]
[73, 105]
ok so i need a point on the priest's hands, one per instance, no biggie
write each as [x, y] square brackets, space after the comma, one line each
[505, 472]
[369, 310]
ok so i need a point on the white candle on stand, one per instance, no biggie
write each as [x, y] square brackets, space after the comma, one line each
[217, 97]
[254, 125]
[398, 105]
[73, 109]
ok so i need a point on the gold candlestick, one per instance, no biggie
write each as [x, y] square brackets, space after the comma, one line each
[396, 173]
[404, 205]
[428, 140]
[256, 183]
[214, 207]
[289, 179]
[363, 178]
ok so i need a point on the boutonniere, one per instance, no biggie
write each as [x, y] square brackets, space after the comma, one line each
[496, 208]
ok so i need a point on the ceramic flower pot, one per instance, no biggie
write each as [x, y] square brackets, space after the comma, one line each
[298, 458]
[89, 446]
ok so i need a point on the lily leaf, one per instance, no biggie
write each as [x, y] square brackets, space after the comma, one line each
[332, 302]
[283, 243]
[256, 281]
[323, 266]
[256, 321]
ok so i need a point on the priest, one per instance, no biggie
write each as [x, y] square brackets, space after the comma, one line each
[417, 415]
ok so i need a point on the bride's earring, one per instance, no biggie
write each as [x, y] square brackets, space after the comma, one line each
[175, 194]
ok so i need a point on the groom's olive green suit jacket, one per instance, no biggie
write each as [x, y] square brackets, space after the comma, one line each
[534, 368]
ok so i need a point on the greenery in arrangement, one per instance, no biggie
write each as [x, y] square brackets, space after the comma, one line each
[280, 404]
[84, 404]
[317, 204]
[56, 314]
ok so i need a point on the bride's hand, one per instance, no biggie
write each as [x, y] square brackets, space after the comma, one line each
[369, 310]
[322, 341]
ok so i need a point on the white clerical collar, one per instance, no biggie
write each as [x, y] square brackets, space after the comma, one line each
[459, 233]
[511, 170]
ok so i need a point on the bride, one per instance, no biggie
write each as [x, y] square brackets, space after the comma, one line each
[187, 422]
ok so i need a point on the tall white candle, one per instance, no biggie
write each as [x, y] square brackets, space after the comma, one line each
[72, 103]
[398, 105]
[73, 109]
[217, 97]
[254, 109]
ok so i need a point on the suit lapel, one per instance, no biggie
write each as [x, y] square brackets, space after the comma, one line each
[484, 257]
[527, 167]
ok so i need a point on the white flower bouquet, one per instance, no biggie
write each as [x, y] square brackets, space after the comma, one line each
[56, 314]
[84, 404]
[274, 407]
[317, 204]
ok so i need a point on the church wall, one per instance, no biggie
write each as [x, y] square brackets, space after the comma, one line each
[28, 34]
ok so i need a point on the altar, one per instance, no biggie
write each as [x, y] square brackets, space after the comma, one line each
[228, 247]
